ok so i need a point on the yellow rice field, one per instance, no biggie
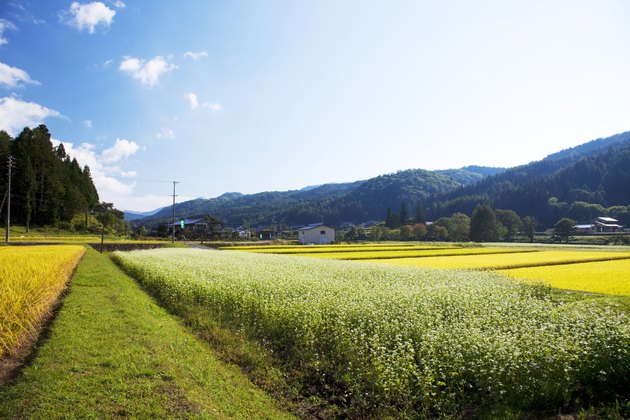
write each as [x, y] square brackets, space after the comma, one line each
[31, 280]
[316, 249]
[507, 260]
[609, 277]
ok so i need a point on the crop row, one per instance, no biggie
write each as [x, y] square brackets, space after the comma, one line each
[400, 341]
[493, 261]
[31, 280]
[278, 249]
[333, 251]
[608, 277]
[421, 253]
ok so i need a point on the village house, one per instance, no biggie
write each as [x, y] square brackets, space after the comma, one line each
[599, 225]
[316, 233]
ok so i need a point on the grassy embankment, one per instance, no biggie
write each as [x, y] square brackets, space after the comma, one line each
[112, 352]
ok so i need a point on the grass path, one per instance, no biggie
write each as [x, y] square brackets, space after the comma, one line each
[113, 352]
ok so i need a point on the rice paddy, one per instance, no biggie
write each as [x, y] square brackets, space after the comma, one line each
[31, 280]
[607, 277]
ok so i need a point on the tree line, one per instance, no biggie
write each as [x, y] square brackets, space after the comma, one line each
[47, 186]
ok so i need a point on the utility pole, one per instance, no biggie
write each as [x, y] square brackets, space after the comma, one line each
[10, 167]
[173, 230]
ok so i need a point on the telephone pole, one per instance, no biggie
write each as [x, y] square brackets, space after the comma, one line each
[10, 167]
[173, 229]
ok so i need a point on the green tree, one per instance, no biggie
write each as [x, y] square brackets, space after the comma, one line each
[404, 214]
[420, 217]
[564, 229]
[406, 233]
[511, 221]
[483, 224]
[529, 227]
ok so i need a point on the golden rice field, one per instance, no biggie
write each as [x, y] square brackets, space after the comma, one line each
[31, 280]
[608, 277]
[320, 249]
[508, 260]
[370, 252]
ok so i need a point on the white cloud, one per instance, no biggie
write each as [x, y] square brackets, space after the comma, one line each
[4, 25]
[192, 98]
[195, 55]
[165, 133]
[149, 72]
[88, 16]
[121, 149]
[128, 174]
[12, 76]
[194, 103]
[214, 107]
[16, 114]
[87, 123]
[119, 4]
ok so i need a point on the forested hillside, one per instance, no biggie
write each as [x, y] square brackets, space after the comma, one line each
[581, 183]
[356, 202]
[47, 185]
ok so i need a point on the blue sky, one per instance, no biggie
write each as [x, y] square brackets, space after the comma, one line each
[252, 96]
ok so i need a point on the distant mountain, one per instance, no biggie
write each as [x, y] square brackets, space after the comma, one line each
[333, 203]
[131, 215]
[597, 172]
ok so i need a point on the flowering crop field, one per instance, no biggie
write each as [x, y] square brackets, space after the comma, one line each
[399, 341]
[506, 261]
[609, 277]
[31, 280]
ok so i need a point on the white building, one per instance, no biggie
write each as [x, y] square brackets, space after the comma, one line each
[316, 233]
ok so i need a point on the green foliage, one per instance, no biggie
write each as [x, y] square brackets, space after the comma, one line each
[528, 226]
[510, 221]
[564, 229]
[483, 224]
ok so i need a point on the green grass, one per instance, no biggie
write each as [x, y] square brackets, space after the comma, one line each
[113, 352]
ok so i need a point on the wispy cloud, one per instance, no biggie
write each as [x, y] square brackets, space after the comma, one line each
[214, 107]
[88, 16]
[119, 4]
[87, 123]
[5, 25]
[195, 55]
[16, 114]
[165, 133]
[193, 100]
[13, 77]
[147, 72]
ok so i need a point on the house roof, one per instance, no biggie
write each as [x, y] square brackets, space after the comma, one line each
[313, 226]
[608, 219]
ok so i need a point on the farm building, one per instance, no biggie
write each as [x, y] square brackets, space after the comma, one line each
[316, 233]
[599, 225]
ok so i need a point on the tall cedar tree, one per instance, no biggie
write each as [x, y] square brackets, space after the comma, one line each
[48, 186]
